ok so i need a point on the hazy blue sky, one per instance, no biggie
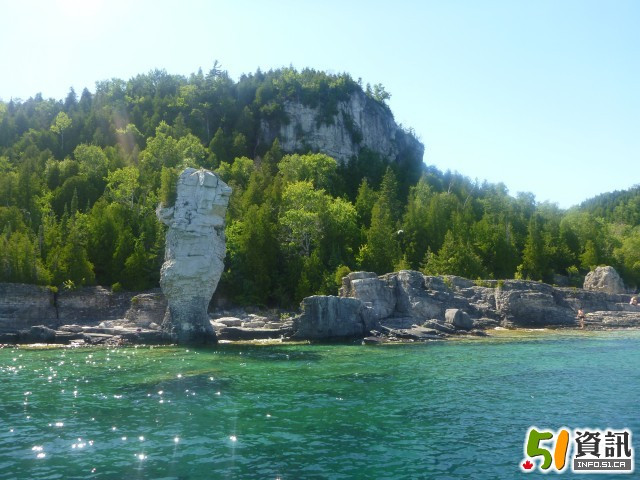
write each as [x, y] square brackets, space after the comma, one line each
[541, 95]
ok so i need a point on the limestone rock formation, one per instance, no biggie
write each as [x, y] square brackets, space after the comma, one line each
[194, 254]
[329, 317]
[526, 303]
[146, 310]
[604, 279]
[402, 303]
[23, 306]
[378, 298]
[359, 123]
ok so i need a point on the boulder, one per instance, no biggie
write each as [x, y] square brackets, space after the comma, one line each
[326, 317]
[37, 334]
[145, 309]
[458, 318]
[377, 295]
[604, 279]
[194, 254]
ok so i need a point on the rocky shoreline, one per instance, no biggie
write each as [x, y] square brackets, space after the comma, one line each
[404, 306]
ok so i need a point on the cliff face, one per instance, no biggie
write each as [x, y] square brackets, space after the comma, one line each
[22, 306]
[360, 123]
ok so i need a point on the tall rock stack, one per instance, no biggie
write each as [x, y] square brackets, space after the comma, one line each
[194, 254]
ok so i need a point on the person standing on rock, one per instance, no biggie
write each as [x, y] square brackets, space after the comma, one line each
[580, 317]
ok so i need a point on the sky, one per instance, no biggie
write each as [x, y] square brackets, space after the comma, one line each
[541, 95]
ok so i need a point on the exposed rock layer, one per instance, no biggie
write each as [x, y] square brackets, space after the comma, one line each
[194, 254]
[359, 123]
[407, 299]
[405, 305]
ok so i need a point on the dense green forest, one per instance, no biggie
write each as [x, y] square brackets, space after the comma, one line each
[80, 180]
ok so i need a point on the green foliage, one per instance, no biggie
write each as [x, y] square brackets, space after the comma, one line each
[60, 124]
[341, 272]
[364, 203]
[378, 93]
[317, 168]
[381, 251]
[252, 256]
[168, 187]
[80, 180]
[300, 216]
[122, 185]
[236, 174]
[456, 257]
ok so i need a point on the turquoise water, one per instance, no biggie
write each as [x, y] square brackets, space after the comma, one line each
[450, 410]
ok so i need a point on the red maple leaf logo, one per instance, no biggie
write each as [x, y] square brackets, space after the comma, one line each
[527, 465]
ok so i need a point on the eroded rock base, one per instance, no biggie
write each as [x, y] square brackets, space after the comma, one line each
[187, 322]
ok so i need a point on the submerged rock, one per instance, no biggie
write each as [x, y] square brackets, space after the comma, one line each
[194, 254]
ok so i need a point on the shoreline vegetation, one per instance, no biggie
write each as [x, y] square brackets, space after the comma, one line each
[325, 182]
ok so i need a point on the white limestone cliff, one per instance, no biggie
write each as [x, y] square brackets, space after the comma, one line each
[194, 254]
[358, 123]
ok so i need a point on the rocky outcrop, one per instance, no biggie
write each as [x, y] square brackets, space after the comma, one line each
[329, 317]
[194, 254]
[146, 310]
[358, 123]
[604, 279]
[91, 305]
[408, 304]
[378, 297]
[23, 306]
[533, 304]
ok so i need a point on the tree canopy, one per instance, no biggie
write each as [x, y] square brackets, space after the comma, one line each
[80, 180]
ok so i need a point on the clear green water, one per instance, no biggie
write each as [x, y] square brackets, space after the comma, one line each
[454, 410]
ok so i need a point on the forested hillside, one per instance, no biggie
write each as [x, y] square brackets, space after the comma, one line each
[80, 180]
